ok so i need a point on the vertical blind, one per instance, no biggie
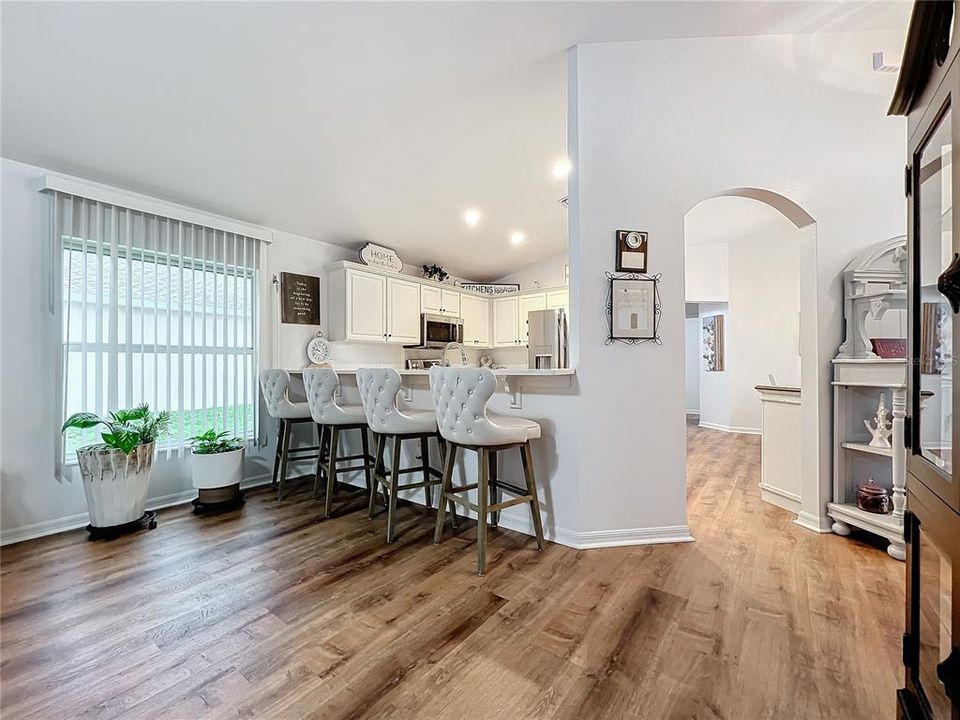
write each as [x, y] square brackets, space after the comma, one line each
[159, 311]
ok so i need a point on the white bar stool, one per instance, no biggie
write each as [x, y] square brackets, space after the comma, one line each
[379, 388]
[460, 397]
[332, 419]
[275, 386]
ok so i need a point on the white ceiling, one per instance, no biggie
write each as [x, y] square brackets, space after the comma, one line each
[337, 121]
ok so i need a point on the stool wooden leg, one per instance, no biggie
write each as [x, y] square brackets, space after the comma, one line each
[482, 492]
[496, 495]
[396, 444]
[318, 478]
[287, 435]
[445, 485]
[276, 457]
[332, 470]
[442, 445]
[377, 473]
[365, 443]
[425, 455]
[526, 457]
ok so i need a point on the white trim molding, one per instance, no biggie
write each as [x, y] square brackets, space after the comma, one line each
[730, 428]
[119, 197]
[812, 522]
[74, 522]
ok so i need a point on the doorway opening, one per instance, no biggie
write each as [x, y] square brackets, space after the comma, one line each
[750, 282]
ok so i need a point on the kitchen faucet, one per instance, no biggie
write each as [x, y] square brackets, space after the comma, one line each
[464, 360]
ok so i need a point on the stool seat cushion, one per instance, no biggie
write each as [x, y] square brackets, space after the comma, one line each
[294, 411]
[529, 428]
[379, 388]
[348, 415]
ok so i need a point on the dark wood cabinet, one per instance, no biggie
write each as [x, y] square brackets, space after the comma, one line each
[927, 90]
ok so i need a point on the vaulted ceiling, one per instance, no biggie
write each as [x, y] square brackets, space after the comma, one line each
[342, 121]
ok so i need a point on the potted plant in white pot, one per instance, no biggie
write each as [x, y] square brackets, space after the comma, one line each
[116, 472]
[217, 468]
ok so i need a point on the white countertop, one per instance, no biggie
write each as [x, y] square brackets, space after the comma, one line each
[505, 372]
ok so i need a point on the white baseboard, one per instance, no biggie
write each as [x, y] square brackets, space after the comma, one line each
[522, 524]
[693, 412]
[814, 523]
[781, 498]
[73, 522]
[730, 428]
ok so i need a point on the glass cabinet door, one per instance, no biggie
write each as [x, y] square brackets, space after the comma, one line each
[934, 259]
[935, 627]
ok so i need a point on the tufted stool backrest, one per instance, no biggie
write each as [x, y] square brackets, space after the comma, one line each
[378, 396]
[320, 385]
[274, 384]
[460, 398]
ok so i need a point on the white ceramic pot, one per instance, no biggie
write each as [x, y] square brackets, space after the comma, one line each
[115, 483]
[217, 470]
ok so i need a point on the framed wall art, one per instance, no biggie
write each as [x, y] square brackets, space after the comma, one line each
[713, 343]
[633, 307]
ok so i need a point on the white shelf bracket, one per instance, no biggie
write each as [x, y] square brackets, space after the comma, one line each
[515, 393]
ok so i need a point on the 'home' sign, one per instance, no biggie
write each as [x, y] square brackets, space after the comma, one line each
[380, 257]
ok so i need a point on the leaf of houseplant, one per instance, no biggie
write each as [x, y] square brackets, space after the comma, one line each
[82, 421]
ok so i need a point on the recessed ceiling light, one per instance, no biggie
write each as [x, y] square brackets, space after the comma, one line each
[561, 168]
[517, 237]
[471, 217]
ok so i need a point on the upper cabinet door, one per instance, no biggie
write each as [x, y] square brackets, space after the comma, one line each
[529, 303]
[558, 299]
[934, 284]
[366, 307]
[506, 331]
[431, 299]
[449, 303]
[403, 311]
[475, 312]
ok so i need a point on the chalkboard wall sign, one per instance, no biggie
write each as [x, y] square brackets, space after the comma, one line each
[299, 299]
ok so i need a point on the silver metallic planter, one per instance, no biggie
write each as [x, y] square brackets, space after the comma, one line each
[115, 483]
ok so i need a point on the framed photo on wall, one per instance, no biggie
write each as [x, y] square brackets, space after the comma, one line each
[631, 251]
[633, 308]
[713, 343]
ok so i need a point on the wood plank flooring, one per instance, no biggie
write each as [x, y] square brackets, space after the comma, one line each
[270, 613]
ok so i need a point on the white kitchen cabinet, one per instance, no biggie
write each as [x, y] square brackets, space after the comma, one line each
[450, 303]
[366, 304]
[403, 311]
[558, 299]
[506, 317]
[475, 312]
[439, 301]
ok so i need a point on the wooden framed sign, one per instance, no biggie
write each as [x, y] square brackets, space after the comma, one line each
[631, 251]
[299, 299]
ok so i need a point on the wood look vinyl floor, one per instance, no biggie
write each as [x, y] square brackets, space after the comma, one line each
[271, 613]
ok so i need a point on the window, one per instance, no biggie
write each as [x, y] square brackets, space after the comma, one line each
[159, 311]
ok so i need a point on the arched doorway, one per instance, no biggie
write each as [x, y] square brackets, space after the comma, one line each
[815, 405]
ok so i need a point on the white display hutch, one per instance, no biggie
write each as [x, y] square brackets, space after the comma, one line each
[875, 301]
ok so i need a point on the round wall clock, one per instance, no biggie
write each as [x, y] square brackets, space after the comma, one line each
[633, 240]
[318, 350]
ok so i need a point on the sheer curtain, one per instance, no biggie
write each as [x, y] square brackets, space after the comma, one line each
[155, 310]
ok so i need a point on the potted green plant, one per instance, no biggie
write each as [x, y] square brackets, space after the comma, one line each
[116, 472]
[216, 464]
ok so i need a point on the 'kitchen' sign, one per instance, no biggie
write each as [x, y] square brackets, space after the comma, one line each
[491, 288]
[381, 257]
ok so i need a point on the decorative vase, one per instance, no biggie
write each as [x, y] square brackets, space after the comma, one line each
[217, 476]
[115, 483]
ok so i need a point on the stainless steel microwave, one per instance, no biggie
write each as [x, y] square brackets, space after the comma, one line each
[436, 330]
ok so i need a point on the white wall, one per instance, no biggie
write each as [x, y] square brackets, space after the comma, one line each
[692, 359]
[656, 127]
[545, 273]
[706, 270]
